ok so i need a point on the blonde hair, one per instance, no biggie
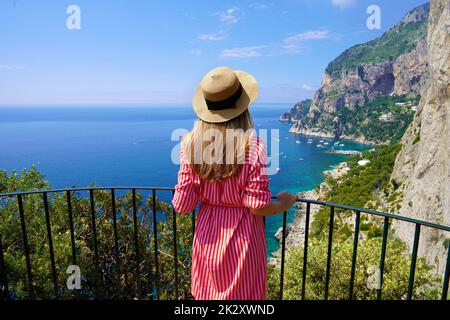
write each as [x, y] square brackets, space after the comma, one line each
[209, 156]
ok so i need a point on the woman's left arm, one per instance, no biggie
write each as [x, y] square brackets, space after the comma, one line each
[186, 194]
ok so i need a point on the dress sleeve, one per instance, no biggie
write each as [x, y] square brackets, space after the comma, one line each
[257, 193]
[186, 194]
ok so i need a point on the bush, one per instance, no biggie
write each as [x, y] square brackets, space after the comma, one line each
[114, 284]
[395, 280]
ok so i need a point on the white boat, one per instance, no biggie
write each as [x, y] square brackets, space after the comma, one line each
[298, 142]
[341, 145]
[301, 159]
[321, 141]
[326, 143]
[336, 143]
[319, 146]
[309, 141]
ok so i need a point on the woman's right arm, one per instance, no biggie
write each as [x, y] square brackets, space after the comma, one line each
[285, 201]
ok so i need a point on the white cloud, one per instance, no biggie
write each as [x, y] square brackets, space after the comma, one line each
[243, 52]
[11, 67]
[342, 3]
[212, 36]
[308, 35]
[259, 6]
[290, 45]
[229, 16]
[296, 42]
[307, 87]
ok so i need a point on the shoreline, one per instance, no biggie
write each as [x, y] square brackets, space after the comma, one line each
[329, 135]
[295, 231]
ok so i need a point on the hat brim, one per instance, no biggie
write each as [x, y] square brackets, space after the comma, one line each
[249, 94]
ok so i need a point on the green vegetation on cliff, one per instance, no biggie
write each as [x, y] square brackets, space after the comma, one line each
[383, 119]
[393, 43]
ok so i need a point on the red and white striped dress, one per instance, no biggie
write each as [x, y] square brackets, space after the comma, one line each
[229, 249]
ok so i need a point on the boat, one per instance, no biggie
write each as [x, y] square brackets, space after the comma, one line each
[301, 159]
[298, 142]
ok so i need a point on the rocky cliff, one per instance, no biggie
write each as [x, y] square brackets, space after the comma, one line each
[422, 166]
[394, 64]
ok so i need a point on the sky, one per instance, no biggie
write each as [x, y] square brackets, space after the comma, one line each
[131, 52]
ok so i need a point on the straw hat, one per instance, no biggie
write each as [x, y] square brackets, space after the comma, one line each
[224, 94]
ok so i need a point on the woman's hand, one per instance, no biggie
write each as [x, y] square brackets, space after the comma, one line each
[286, 200]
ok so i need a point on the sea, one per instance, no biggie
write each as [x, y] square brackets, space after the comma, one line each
[134, 146]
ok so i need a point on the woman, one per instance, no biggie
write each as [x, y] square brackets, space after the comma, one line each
[223, 165]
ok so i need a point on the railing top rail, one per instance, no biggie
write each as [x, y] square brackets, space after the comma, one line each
[12, 194]
[322, 203]
[378, 213]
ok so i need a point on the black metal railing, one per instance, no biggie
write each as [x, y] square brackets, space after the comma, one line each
[18, 199]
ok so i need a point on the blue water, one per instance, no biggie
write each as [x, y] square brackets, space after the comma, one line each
[131, 146]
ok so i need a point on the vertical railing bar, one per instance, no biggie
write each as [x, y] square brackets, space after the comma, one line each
[136, 244]
[25, 245]
[193, 222]
[412, 270]
[4, 291]
[116, 237]
[94, 235]
[354, 255]
[305, 250]
[330, 243]
[446, 277]
[283, 247]
[50, 243]
[72, 233]
[155, 240]
[382, 257]
[175, 249]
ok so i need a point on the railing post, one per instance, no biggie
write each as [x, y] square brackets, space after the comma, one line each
[116, 237]
[354, 255]
[283, 249]
[446, 277]
[305, 250]
[155, 240]
[94, 236]
[4, 292]
[330, 244]
[193, 223]
[412, 270]
[72, 233]
[50, 244]
[383, 256]
[175, 249]
[136, 244]
[25, 246]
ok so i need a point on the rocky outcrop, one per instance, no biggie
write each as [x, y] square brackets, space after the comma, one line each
[394, 64]
[423, 166]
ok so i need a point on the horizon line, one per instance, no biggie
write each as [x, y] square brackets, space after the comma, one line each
[149, 104]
